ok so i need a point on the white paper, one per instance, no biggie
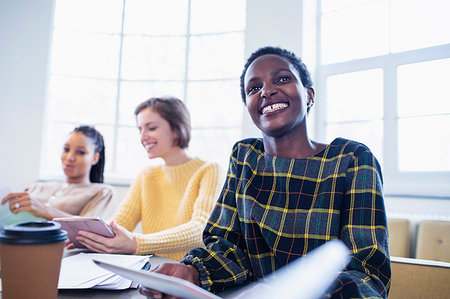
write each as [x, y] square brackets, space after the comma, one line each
[305, 278]
[80, 272]
[166, 284]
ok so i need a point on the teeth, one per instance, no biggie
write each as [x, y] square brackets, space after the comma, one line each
[149, 146]
[274, 107]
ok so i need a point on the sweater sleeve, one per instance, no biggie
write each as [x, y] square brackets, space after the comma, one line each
[99, 203]
[364, 231]
[128, 214]
[224, 262]
[187, 235]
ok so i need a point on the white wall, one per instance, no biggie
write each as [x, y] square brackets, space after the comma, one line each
[25, 28]
[271, 23]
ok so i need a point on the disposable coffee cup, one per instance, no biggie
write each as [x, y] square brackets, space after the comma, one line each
[31, 254]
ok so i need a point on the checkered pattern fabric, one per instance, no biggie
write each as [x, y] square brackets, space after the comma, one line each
[273, 210]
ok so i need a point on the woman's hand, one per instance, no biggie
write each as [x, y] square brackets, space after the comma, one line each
[187, 272]
[123, 242]
[23, 202]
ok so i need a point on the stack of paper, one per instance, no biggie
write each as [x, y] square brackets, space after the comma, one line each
[80, 272]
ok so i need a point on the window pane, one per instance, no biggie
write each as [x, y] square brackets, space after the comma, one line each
[149, 58]
[369, 133]
[134, 93]
[131, 156]
[417, 24]
[417, 138]
[84, 15]
[156, 17]
[331, 5]
[356, 32]
[214, 145]
[81, 100]
[88, 55]
[355, 96]
[211, 57]
[209, 107]
[423, 88]
[212, 16]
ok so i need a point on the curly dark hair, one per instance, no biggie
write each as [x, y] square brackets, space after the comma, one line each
[305, 76]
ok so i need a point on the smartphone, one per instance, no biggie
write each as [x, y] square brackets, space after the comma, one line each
[91, 224]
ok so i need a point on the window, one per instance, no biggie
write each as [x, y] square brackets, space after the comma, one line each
[110, 55]
[382, 73]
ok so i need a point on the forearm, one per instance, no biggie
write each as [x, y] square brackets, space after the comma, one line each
[364, 231]
[128, 214]
[176, 239]
[354, 282]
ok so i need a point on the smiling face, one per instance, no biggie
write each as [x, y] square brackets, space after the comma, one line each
[156, 135]
[78, 157]
[275, 97]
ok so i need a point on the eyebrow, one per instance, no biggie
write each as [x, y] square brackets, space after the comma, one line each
[274, 73]
[279, 71]
[148, 123]
[77, 147]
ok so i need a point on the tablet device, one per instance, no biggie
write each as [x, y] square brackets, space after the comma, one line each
[163, 283]
[91, 224]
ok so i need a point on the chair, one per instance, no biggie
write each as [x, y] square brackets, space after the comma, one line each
[399, 237]
[433, 241]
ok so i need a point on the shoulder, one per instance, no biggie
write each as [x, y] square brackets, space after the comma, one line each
[247, 147]
[347, 146]
[206, 167]
[359, 153]
[102, 187]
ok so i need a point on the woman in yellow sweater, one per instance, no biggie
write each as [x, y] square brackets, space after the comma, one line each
[174, 200]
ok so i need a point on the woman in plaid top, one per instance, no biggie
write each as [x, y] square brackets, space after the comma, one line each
[286, 194]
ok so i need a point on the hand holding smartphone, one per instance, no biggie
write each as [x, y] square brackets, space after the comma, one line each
[91, 224]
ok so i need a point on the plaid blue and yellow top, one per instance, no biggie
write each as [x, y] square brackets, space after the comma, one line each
[273, 210]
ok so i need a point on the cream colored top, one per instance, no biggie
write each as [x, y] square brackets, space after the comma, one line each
[173, 203]
[90, 200]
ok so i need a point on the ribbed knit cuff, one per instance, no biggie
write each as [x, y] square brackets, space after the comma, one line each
[205, 281]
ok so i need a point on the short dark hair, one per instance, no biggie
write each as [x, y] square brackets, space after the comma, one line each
[96, 173]
[305, 76]
[175, 112]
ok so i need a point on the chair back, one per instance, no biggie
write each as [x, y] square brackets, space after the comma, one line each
[399, 237]
[433, 241]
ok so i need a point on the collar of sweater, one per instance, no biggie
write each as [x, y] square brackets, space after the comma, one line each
[183, 171]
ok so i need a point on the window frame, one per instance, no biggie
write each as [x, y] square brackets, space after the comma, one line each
[112, 175]
[396, 183]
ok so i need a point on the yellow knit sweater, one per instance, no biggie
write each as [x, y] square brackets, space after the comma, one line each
[173, 203]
